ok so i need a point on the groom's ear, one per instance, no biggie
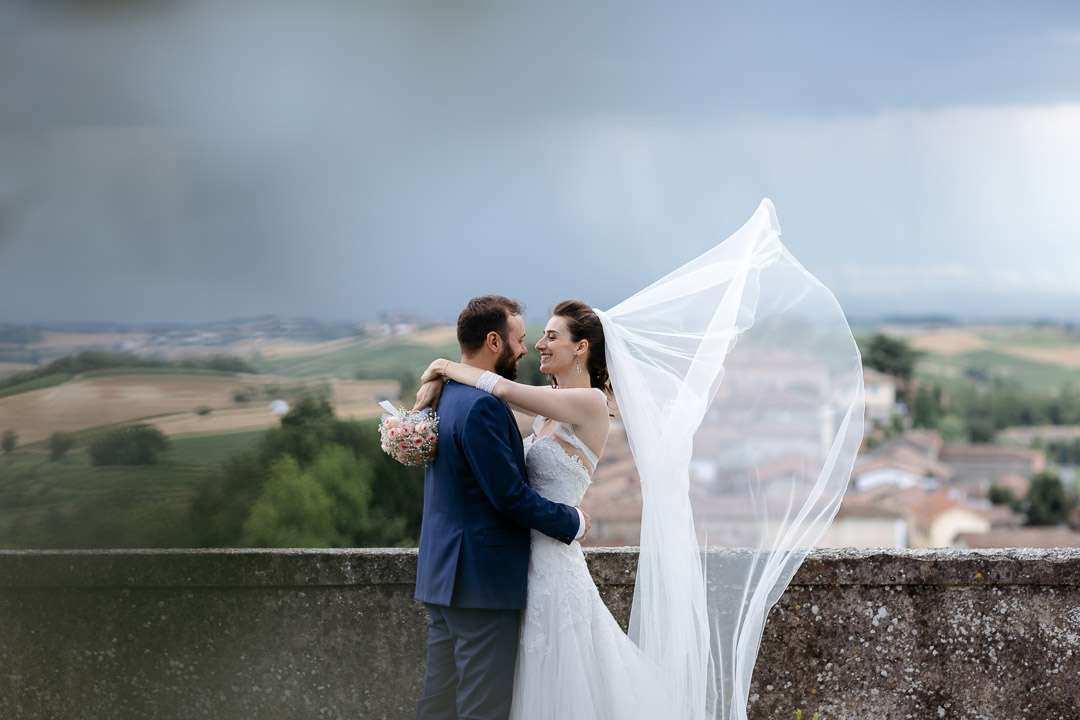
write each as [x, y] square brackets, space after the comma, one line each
[492, 341]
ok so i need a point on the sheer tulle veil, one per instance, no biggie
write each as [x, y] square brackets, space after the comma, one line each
[740, 388]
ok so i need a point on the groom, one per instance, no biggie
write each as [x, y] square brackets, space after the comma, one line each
[474, 541]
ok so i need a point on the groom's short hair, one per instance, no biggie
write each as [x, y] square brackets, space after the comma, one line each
[482, 315]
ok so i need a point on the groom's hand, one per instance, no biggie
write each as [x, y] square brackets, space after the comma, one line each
[428, 395]
[588, 522]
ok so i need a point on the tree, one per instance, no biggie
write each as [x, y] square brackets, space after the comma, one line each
[1046, 502]
[927, 406]
[139, 444]
[952, 429]
[892, 356]
[59, 444]
[347, 481]
[307, 411]
[9, 441]
[1001, 495]
[324, 505]
[408, 384]
[228, 495]
[293, 511]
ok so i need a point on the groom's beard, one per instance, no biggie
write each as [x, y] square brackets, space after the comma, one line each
[506, 365]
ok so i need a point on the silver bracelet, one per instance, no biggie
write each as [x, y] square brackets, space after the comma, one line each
[487, 382]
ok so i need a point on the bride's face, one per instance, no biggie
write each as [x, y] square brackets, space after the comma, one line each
[556, 347]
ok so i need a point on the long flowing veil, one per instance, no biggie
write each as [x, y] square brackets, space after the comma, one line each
[740, 387]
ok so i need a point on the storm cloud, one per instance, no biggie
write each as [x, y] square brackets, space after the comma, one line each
[203, 160]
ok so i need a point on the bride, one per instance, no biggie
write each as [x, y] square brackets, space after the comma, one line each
[567, 634]
[740, 388]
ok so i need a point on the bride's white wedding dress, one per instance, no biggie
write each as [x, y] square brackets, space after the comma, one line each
[574, 661]
[740, 387]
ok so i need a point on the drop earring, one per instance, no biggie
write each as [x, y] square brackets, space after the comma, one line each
[577, 363]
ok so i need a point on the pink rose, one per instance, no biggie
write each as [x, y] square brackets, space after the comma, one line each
[393, 433]
[385, 447]
[393, 422]
[431, 437]
[417, 441]
[407, 428]
[422, 427]
[403, 446]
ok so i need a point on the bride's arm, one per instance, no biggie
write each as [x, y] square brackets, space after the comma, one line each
[524, 420]
[428, 397]
[571, 405]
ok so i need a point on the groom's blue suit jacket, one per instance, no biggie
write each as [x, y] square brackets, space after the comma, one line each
[474, 541]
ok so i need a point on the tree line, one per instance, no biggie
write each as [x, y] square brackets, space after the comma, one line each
[91, 360]
[974, 410]
[315, 481]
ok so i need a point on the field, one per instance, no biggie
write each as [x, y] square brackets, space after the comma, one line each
[10, 368]
[363, 358]
[1033, 358]
[948, 342]
[73, 340]
[208, 416]
[172, 402]
[70, 503]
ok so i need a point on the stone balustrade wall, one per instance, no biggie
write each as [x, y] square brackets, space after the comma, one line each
[295, 634]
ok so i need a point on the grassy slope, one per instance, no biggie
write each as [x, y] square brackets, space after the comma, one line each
[364, 359]
[1029, 374]
[37, 384]
[71, 503]
[60, 378]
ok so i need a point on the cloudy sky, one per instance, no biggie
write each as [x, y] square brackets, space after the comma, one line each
[209, 159]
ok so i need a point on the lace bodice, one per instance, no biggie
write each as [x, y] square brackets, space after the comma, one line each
[553, 473]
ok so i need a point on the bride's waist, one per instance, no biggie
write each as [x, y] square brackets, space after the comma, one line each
[542, 542]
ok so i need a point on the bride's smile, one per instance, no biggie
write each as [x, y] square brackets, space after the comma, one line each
[558, 351]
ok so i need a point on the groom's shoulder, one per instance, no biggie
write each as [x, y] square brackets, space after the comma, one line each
[464, 395]
[463, 398]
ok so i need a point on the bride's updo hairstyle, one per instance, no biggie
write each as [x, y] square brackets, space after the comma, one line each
[583, 324]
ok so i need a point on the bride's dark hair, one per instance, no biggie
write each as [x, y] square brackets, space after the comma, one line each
[583, 324]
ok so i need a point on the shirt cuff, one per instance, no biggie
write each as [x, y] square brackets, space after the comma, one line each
[581, 524]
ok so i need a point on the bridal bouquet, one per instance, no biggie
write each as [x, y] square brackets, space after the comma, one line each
[409, 437]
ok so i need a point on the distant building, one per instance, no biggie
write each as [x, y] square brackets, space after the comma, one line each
[880, 396]
[862, 524]
[1026, 436]
[910, 460]
[976, 467]
[1021, 537]
[934, 517]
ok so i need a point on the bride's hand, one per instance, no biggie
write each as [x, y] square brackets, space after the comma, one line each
[428, 395]
[434, 371]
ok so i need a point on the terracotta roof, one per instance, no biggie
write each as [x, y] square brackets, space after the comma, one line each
[922, 503]
[1026, 434]
[857, 505]
[976, 451]
[906, 459]
[941, 501]
[1025, 537]
[929, 439]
